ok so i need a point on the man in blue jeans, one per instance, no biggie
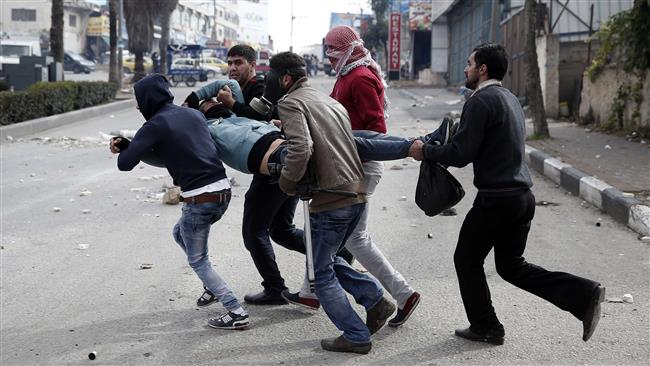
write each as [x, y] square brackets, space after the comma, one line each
[320, 144]
[180, 138]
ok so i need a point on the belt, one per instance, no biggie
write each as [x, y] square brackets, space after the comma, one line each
[223, 196]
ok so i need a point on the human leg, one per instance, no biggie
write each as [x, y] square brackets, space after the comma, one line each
[261, 202]
[191, 233]
[329, 231]
[283, 231]
[564, 290]
[474, 244]
[361, 245]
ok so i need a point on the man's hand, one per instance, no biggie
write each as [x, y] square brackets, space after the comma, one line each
[277, 123]
[118, 144]
[113, 142]
[225, 97]
[416, 150]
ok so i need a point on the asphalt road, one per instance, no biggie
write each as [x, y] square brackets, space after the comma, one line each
[60, 302]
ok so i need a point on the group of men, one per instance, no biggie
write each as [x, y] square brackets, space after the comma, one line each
[318, 137]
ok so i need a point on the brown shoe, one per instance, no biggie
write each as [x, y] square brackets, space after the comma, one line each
[376, 317]
[341, 344]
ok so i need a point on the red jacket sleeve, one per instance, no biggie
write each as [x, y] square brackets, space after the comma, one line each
[368, 99]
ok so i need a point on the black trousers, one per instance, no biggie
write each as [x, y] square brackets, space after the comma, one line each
[269, 212]
[503, 223]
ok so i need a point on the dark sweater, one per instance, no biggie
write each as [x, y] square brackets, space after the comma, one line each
[491, 135]
[254, 88]
[179, 136]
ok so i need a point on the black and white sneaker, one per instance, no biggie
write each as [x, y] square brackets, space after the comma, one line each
[206, 299]
[230, 321]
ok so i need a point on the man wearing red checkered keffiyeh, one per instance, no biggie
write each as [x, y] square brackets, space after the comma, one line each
[360, 88]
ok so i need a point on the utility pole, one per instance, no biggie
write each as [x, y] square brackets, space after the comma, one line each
[292, 18]
[120, 46]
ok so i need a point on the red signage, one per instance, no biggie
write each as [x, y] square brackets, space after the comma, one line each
[394, 42]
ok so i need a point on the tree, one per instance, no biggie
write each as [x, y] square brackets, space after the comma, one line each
[56, 31]
[113, 68]
[377, 35]
[533, 85]
[139, 15]
[165, 8]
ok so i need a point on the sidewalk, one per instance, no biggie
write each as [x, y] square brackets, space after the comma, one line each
[607, 171]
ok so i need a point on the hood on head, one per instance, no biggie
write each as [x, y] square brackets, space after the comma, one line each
[152, 93]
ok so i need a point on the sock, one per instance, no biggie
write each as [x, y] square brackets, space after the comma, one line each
[239, 311]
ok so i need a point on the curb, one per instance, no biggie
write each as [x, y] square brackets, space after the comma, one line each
[33, 126]
[624, 209]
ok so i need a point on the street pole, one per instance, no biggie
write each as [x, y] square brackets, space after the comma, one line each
[292, 18]
[120, 46]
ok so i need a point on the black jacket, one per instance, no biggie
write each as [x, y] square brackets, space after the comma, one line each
[254, 89]
[491, 135]
[178, 135]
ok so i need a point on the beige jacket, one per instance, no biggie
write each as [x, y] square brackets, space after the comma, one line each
[317, 128]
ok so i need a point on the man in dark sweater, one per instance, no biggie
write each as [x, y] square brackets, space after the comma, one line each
[491, 136]
[267, 210]
[181, 139]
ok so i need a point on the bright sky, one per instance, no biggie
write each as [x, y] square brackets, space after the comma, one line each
[312, 19]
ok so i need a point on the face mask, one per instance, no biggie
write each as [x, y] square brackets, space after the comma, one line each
[273, 91]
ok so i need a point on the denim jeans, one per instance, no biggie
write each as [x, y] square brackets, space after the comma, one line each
[330, 230]
[191, 233]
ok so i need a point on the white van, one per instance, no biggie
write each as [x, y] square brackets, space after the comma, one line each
[11, 50]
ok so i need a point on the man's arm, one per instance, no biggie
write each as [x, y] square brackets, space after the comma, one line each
[299, 149]
[465, 144]
[242, 109]
[143, 141]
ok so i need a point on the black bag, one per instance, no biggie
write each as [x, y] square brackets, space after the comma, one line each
[437, 189]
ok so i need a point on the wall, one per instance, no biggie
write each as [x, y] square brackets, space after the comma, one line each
[598, 97]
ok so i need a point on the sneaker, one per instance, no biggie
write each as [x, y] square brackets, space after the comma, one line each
[230, 321]
[376, 317]
[404, 314]
[206, 299]
[340, 344]
[312, 304]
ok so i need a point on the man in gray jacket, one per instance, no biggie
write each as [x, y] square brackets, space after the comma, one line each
[317, 129]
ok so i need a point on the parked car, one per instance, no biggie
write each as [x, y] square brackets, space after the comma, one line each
[262, 63]
[128, 64]
[215, 62]
[192, 63]
[76, 63]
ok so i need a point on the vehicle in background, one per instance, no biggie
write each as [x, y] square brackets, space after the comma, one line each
[192, 63]
[262, 64]
[128, 64]
[76, 63]
[215, 62]
[11, 50]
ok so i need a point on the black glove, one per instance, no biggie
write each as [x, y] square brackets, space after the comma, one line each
[192, 100]
[123, 144]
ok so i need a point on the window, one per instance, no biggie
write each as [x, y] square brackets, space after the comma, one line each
[23, 15]
[72, 20]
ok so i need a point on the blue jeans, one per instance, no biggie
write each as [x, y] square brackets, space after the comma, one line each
[377, 146]
[191, 233]
[334, 276]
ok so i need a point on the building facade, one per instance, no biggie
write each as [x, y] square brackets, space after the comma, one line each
[31, 20]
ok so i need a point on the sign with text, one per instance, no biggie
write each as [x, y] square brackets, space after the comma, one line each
[394, 42]
[98, 26]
